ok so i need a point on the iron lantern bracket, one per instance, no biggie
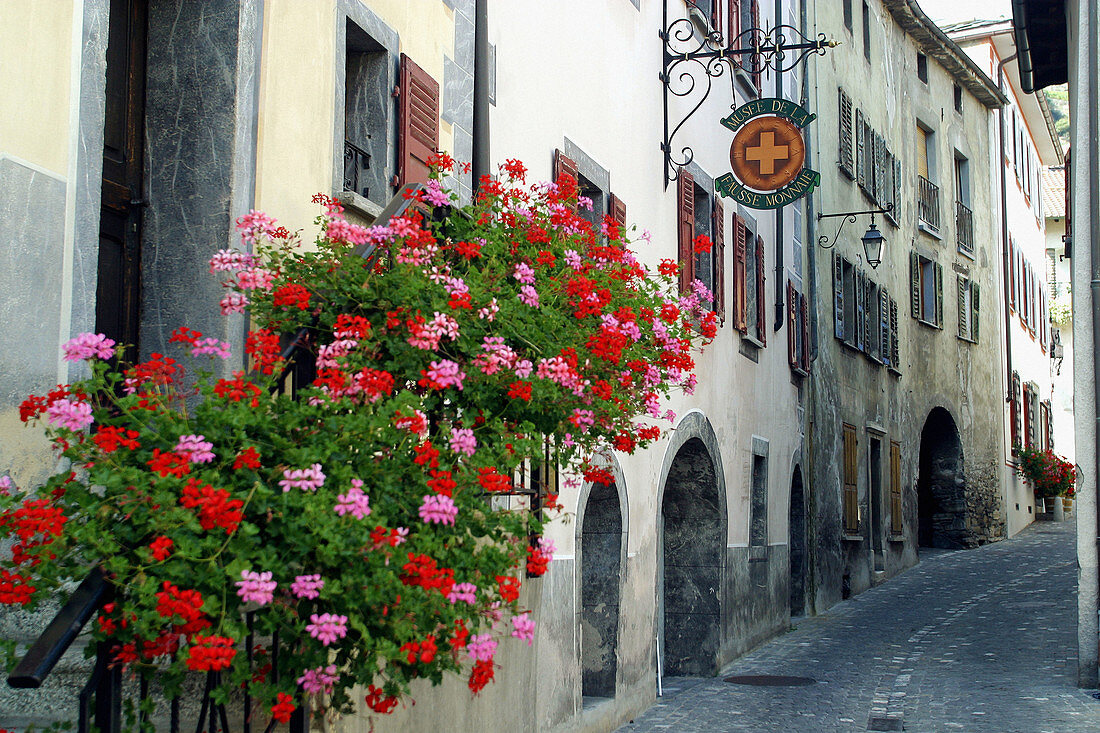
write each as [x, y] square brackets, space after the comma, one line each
[689, 62]
[849, 216]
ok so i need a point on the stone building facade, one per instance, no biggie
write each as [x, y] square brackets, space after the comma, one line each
[904, 414]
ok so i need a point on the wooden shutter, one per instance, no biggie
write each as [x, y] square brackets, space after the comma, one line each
[844, 109]
[417, 122]
[1030, 432]
[804, 307]
[716, 19]
[884, 325]
[757, 75]
[1050, 425]
[938, 269]
[719, 260]
[861, 310]
[851, 488]
[733, 23]
[895, 488]
[1011, 274]
[838, 295]
[895, 344]
[896, 213]
[564, 165]
[861, 153]
[1068, 237]
[1015, 410]
[792, 326]
[761, 301]
[617, 209]
[922, 152]
[963, 308]
[914, 285]
[975, 312]
[740, 233]
[685, 197]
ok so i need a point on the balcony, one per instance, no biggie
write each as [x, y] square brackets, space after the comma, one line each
[928, 204]
[964, 228]
[356, 164]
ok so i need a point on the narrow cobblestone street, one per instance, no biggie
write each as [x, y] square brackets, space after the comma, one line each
[979, 640]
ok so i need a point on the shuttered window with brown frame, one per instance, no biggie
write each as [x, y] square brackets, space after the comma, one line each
[895, 488]
[417, 122]
[564, 164]
[685, 229]
[792, 326]
[617, 210]
[761, 301]
[719, 229]
[804, 306]
[740, 243]
[758, 75]
[733, 24]
[851, 486]
[1015, 415]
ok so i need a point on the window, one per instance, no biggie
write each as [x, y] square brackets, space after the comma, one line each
[895, 488]
[1031, 409]
[926, 290]
[964, 217]
[851, 486]
[750, 302]
[866, 31]
[798, 331]
[958, 90]
[848, 15]
[1015, 407]
[969, 297]
[928, 193]
[846, 157]
[700, 213]
[864, 315]
[758, 524]
[368, 144]
[922, 67]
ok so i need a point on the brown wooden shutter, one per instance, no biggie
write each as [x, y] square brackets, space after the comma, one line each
[1016, 398]
[804, 323]
[757, 76]
[685, 232]
[792, 326]
[733, 23]
[618, 211]
[417, 122]
[1011, 274]
[740, 318]
[761, 301]
[563, 164]
[719, 260]
[851, 488]
[716, 19]
[895, 488]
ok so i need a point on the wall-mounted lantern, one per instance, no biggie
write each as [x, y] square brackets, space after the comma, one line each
[873, 241]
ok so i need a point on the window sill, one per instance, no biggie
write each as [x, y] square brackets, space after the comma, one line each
[750, 348]
[967, 254]
[799, 372]
[967, 340]
[894, 370]
[929, 230]
[895, 538]
[744, 78]
[930, 324]
[845, 172]
[355, 203]
[849, 537]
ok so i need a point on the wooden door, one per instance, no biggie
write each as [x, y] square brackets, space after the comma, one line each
[118, 290]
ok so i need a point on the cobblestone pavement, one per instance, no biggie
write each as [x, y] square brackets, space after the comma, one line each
[967, 641]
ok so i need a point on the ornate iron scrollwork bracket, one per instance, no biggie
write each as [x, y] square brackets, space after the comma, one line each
[690, 61]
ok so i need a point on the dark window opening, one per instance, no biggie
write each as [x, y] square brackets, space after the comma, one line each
[366, 121]
[922, 67]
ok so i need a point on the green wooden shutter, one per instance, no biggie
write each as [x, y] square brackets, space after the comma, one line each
[838, 295]
[861, 310]
[939, 293]
[884, 325]
[914, 284]
[963, 308]
[895, 344]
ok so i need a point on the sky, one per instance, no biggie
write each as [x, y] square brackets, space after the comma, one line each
[953, 11]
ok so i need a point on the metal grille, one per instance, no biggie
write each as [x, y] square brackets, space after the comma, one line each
[928, 203]
[356, 165]
[964, 228]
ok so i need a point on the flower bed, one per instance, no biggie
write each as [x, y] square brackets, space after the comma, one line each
[356, 519]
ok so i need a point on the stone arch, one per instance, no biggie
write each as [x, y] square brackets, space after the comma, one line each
[941, 484]
[692, 541]
[797, 543]
[601, 537]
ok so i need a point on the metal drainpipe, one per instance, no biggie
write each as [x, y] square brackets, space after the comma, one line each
[780, 291]
[1005, 265]
[810, 284]
[1094, 254]
[480, 162]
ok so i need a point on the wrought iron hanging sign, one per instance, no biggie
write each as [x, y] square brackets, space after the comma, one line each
[768, 154]
[691, 64]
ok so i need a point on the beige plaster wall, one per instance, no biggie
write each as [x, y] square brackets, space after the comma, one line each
[35, 64]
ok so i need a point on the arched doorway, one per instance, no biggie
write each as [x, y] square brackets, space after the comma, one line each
[941, 484]
[797, 546]
[601, 542]
[693, 543]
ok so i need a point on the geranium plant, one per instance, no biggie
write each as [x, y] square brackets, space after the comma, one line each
[358, 519]
[1048, 474]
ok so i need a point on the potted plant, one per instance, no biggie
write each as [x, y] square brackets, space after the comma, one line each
[1050, 475]
[354, 520]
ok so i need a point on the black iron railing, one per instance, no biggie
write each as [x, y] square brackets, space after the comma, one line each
[964, 228]
[356, 165]
[928, 203]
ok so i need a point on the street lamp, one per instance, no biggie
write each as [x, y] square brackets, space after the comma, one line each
[873, 241]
